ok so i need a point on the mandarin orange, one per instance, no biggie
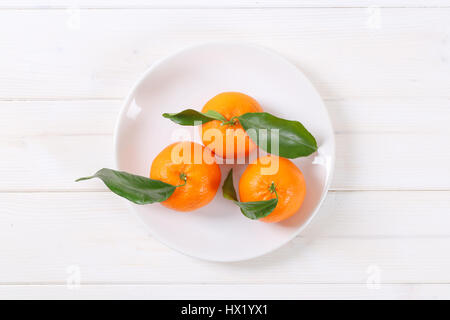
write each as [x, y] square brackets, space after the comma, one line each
[229, 140]
[192, 167]
[255, 185]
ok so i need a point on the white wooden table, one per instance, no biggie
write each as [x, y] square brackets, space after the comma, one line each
[383, 70]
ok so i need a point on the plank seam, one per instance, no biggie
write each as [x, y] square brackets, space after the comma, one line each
[58, 8]
[145, 283]
[116, 99]
[111, 98]
[332, 190]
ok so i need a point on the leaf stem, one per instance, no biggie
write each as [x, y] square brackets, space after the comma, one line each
[231, 122]
[85, 178]
[184, 178]
[273, 189]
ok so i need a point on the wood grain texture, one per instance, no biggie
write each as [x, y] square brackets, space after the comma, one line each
[45, 143]
[98, 117]
[363, 162]
[233, 292]
[384, 75]
[46, 4]
[351, 214]
[345, 52]
[403, 235]
[58, 118]
[104, 258]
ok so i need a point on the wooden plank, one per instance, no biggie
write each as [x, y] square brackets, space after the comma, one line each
[53, 163]
[45, 4]
[377, 163]
[391, 161]
[402, 54]
[364, 161]
[46, 118]
[107, 258]
[351, 214]
[385, 115]
[396, 237]
[258, 292]
[383, 214]
[94, 117]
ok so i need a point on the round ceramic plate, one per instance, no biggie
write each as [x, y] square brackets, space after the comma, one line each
[188, 79]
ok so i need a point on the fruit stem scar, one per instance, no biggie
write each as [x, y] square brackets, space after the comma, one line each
[184, 178]
[231, 122]
[273, 189]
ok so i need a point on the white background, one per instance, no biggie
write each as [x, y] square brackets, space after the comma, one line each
[383, 70]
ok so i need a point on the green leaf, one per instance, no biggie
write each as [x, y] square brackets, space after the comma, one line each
[252, 210]
[228, 188]
[294, 140]
[190, 117]
[214, 114]
[257, 209]
[137, 189]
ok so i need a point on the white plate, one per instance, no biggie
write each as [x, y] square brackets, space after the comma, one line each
[188, 79]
